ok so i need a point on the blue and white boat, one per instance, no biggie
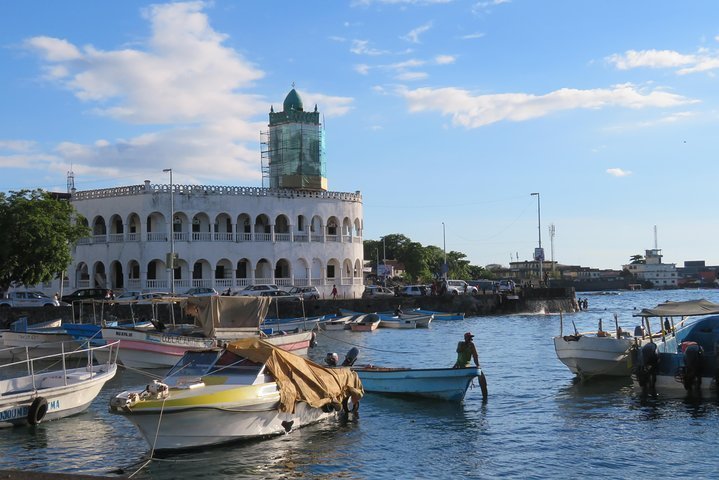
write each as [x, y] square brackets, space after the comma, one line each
[437, 315]
[448, 384]
[682, 356]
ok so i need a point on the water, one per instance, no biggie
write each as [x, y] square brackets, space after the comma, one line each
[536, 424]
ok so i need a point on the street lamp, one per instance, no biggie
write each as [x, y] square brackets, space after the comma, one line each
[539, 255]
[171, 263]
[444, 248]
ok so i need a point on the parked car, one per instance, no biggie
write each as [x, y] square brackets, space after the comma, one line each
[85, 294]
[149, 297]
[413, 291]
[375, 291]
[460, 287]
[306, 293]
[483, 284]
[506, 285]
[28, 299]
[254, 290]
[201, 292]
[128, 295]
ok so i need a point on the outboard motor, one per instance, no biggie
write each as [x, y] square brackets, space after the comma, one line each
[693, 356]
[639, 331]
[648, 363]
[351, 357]
[331, 359]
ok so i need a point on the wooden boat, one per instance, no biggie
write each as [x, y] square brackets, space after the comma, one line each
[57, 391]
[221, 395]
[437, 315]
[365, 323]
[393, 321]
[449, 384]
[219, 319]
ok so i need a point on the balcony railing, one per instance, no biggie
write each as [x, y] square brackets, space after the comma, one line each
[201, 236]
[223, 237]
[282, 237]
[156, 237]
[301, 237]
[115, 238]
[263, 237]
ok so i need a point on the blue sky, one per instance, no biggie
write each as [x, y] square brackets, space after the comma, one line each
[438, 111]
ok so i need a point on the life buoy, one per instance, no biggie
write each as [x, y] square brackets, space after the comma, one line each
[37, 411]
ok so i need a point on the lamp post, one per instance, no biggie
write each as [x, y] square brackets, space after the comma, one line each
[171, 263]
[444, 249]
[540, 253]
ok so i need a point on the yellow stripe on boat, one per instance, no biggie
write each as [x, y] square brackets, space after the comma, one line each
[178, 398]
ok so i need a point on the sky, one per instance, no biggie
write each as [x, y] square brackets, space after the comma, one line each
[445, 114]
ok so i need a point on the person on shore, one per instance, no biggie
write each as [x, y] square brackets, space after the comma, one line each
[334, 292]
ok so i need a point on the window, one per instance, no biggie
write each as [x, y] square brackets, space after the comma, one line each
[330, 271]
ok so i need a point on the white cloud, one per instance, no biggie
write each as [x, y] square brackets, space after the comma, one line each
[474, 111]
[190, 91]
[361, 47]
[411, 76]
[618, 172]
[472, 36]
[362, 68]
[54, 49]
[650, 59]
[486, 5]
[413, 35]
[17, 145]
[702, 61]
[444, 59]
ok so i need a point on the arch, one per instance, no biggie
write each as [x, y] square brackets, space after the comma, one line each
[316, 230]
[202, 273]
[263, 271]
[346, 227]
[244, 227]
[201, 227]
[283, 273]
[223, 227]
[99, 277]
[156, 227]
[82, 275]
[98, 226]
[301, 272]
[181, 226]
[332, 226]
[332, 270]
[133, 274]
[117, 279]
[357, 273]
[263, 230]
[282, 224]
[243, 272]
[301, 225]
[116, 226]
[358, 227]
[318, 272]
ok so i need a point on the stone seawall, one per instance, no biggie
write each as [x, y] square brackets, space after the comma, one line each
[548, 300]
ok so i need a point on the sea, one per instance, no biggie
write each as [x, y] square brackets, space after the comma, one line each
[536, 423]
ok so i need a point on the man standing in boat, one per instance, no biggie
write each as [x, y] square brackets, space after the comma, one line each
[466, 352]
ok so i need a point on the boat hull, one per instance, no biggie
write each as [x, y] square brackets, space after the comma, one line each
[62, 400]
[448, 384]
[595, 356]
[156, 350]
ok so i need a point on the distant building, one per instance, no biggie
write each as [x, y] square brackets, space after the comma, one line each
[660, 275]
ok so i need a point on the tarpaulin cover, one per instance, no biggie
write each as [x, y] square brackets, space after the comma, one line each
[681, 309]
[227, 312]
[298, 378]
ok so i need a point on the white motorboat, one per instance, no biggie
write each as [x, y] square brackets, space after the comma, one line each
[394, 321]
[598, 353]
[47, 393]
[218, 319]
[247, 390]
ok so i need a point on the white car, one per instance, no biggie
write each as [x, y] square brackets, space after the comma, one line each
[413, 291]
[506, 285]
[28, 299]
[307, 293]
[200, 292]
[460, 287]
[256, 290]
[375, 291]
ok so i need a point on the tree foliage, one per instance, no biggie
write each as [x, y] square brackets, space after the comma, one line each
[37, 231]
[636, 259]
[422, 264]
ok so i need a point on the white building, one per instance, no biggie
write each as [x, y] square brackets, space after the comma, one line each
[661, 275]
[293, 233]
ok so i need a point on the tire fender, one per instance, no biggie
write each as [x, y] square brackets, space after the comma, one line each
[37, 411]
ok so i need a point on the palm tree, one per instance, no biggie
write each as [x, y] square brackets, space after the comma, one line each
[635, 259]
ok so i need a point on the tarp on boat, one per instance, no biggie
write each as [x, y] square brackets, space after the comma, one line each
[298, 378]
[687, 308]
[218, 311]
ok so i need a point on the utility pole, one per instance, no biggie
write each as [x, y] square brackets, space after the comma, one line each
[551, 242]
[539, 254]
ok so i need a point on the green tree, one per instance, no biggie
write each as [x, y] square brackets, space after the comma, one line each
[37, 231]
[636, 259]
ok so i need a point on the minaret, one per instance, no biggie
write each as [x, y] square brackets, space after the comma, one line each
[295, 147]
[70, 181]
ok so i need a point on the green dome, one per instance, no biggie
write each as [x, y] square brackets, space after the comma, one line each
[292, 101]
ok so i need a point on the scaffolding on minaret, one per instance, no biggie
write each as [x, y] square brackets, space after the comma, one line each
[70, 181]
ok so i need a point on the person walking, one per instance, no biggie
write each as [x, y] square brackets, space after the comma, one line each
[334, 292]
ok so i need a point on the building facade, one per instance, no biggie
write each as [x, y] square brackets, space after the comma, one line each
[295, 232]
[661, 275]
